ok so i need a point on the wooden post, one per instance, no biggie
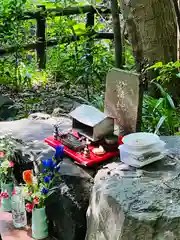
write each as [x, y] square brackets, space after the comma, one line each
[89, 26]
[117, 33]
[41, 38]
[89, 56]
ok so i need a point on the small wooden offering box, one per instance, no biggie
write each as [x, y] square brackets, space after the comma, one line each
[91, 123]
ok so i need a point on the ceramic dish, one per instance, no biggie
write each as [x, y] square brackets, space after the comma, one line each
[140, 140]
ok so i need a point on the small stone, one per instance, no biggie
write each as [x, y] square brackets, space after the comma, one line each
[57, 112]
[39, 116]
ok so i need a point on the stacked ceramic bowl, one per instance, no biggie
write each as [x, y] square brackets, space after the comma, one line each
[140, 149]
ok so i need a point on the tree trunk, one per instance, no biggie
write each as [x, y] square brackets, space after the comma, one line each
[152, 29]
[117, 33]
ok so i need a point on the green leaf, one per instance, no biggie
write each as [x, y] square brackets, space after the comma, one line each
[170, 101]
[156, 66]
[166, 96]
[178, 75]
[160, 123]
[79, 28]
[158, 78]
[161, 89]
[159, 102]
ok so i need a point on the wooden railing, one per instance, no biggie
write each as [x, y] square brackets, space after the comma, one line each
[41, 44]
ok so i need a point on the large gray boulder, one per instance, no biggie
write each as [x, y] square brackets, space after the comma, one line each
[67, 207]
[129, 204]
[29, 129]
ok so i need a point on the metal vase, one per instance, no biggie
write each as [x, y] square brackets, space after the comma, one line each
[6, 203]
[39, 223]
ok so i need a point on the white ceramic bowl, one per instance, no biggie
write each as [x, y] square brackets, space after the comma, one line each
[140, 140]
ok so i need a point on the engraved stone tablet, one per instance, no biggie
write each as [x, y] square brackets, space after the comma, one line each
[121, 99]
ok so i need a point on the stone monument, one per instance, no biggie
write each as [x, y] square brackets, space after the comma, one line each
[121, 98]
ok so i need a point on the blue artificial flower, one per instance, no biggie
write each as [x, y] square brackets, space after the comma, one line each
[44, 191]
[47, 163]
[47, 179]
[59, 152]
[44, 170]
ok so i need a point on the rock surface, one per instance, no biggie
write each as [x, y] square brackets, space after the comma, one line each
[67, 207]
[39, 116]
[129, 204]
[28, 129]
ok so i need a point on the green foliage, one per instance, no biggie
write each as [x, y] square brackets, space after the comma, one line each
[98, 102]
[6, 171]
[168, 76]
[9, 146]
[11, 156]
[85, 62]
[160, 115]
[166, 72]
[75, 65]
[15, 32]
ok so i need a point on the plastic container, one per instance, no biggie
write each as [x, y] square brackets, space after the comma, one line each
[129, 160]
[136, 152]
[18, 209]
[141, 157]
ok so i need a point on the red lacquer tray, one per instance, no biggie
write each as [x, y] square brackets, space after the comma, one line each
[79, 157]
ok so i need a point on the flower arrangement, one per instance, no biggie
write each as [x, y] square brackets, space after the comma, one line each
[37, 188]
[6, 169]
[6, 175]
[10, 147]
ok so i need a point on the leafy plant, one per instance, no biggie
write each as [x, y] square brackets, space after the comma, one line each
[168, 75]
[9, 146]
[6, 169]
[13, 33]
[160, 115]
[83, 63]
[98, 102]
